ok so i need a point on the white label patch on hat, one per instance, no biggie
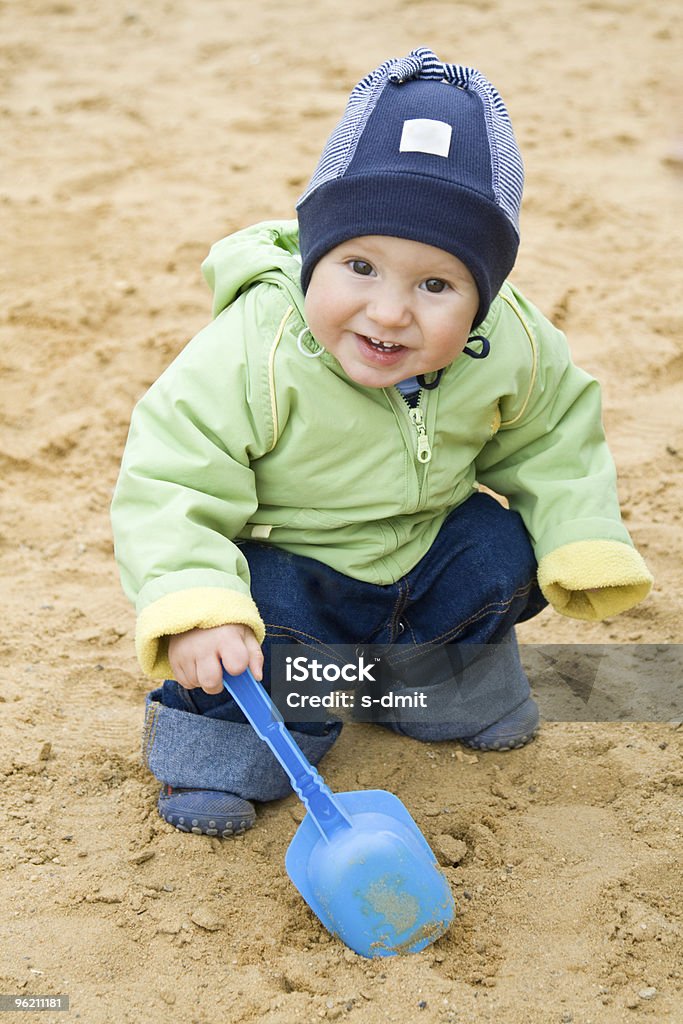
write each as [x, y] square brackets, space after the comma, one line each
[423, 135]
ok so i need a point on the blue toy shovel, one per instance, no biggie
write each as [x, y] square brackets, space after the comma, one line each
[358, 859]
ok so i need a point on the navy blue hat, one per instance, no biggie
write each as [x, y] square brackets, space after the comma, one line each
[424, 151]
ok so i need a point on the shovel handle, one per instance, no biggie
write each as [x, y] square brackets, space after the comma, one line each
[258, 708]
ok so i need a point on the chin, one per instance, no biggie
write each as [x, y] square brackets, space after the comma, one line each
[369, 378]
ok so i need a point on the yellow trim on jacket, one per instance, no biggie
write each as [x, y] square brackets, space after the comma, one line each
[594, 579]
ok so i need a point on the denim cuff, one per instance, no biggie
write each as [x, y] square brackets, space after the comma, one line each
[190, 751]
[489, 685]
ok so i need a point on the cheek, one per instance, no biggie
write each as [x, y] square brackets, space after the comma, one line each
[453, 329]
[450, 337]
[314, 313]
[324, 312]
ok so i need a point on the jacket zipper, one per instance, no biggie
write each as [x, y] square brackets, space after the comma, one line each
[423, 450]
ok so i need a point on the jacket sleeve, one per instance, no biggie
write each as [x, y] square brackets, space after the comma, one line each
[186, 490]
[550, 459]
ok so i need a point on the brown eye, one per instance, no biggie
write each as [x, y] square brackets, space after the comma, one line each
[361, 267]
[435, 285]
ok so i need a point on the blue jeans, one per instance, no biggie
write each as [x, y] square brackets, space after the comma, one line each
[477, 580]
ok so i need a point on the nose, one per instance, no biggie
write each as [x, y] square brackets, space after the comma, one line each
[388, 307]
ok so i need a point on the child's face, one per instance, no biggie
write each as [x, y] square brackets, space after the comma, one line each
[418, 300]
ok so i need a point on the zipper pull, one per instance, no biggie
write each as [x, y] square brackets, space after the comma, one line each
[424, 452]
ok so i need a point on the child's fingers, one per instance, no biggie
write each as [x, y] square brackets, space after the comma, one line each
[180, 677]
[198, 656]
[235, 658]
[180, 671]
[255, 654]
[209, 673]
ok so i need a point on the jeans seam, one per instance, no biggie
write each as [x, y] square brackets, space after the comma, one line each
[150, 729]
[411, 653]
[287, 632]
[481, 613]
[399, 607]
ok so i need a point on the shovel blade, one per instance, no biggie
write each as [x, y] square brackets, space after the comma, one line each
[377, 884]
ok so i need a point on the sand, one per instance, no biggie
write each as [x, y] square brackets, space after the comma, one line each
[134, 135]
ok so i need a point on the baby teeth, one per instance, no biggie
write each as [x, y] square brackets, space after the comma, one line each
[384, 344]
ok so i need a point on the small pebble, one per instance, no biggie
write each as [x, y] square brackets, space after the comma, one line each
[463, 758]
[422, 1005]
[44, 752]
[169, 927]
[449, 850]
[647, 993]
[141, 857]
[206, 920]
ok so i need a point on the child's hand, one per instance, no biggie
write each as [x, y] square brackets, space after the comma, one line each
[196, 656]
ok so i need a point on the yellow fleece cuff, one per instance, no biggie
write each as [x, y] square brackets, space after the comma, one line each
[196, 608]
[594, 579]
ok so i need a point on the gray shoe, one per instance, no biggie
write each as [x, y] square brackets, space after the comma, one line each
[510, 732]
[206, 812]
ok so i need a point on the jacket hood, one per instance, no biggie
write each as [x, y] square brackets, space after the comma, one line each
[253, 254]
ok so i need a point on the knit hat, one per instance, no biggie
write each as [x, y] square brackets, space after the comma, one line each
[424, 151]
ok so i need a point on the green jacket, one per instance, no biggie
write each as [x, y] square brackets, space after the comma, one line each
[244, 437]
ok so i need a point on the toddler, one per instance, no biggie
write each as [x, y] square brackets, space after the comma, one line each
[312, 468]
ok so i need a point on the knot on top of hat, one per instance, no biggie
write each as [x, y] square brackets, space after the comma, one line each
[405, 68]
[424, 63]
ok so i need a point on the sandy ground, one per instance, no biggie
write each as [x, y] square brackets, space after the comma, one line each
[134, 135]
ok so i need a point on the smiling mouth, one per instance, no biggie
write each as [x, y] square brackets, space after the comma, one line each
[383, 349]
[383, 346]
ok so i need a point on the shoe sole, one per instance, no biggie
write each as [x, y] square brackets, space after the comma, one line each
[503, 745]
[209, 829]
